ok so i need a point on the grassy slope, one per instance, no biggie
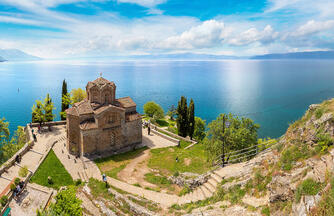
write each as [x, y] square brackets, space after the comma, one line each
[164, 159]
[114, 164]
[52, 167]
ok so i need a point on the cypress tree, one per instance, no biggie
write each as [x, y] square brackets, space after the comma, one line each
[182, 117]
[191, 119]
[64, 105]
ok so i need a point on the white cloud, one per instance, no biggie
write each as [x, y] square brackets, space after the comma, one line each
[145, 3]
[207, 34]
[312, 27]
[252, 35]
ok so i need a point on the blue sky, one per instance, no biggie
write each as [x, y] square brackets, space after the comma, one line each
[77, 28]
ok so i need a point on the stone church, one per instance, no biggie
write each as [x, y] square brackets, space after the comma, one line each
[101, 123]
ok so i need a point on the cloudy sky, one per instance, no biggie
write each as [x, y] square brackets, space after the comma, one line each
[77, 28]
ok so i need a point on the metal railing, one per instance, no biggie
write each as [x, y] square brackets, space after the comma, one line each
[243, 154]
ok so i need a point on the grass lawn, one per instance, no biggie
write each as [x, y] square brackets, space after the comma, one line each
[112, 165]
[193, 159]
[52, 167]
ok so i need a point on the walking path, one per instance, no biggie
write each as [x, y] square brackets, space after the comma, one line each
[83, 168]
[32, 158]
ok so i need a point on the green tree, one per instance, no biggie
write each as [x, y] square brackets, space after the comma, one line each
[191, 119]
[182, 117]
[37, 112]
[199, 132]
[64, 104]
[4, 131]
[172, 112]
[77, 95]
[153, 110]
[66, 99]
[229, 133]
[66, 203]
[8, 147]
[48, 109]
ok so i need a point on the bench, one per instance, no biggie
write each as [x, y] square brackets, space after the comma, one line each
[7, 212]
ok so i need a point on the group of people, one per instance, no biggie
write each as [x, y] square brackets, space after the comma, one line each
[18, 189]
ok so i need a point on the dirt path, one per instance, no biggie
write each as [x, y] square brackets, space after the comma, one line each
[135, 171]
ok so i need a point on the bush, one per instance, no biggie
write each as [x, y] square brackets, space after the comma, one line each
[67, 202]
[17, 181]
[153, 110]
[185, 190]
[12, 187]
[78, 182]
[265, 211]
[3, 200]
[324, 141]
[23, 172]
[307, 187]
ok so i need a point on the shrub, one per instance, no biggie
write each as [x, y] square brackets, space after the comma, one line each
[17, 181]
[66, 202]
[23, 172]
[324, 141]
[176, 174]
[12, 187]
[3, 200]
[78, 182]
[307, 187]
[184, 191]
[265, 211]
[319, 112]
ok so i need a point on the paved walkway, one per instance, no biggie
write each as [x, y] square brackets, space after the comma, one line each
[32, 158]
[155, 141]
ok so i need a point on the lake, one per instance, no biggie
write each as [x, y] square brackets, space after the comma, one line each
[273, 93]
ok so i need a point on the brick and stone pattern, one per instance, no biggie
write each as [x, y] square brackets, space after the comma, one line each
[101, 123]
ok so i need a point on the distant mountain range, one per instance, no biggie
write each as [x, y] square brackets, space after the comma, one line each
[298, 55]
[16, 55]
[193, 56]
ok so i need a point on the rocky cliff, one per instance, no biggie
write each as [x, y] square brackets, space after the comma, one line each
[295, 177]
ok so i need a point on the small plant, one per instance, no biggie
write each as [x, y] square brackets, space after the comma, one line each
[78, 182]
[3, 200]
[17, 181]
[319, 112]
[50, 181]
[12, 187]
[23, 172]
[265, 211]
[307, 187]
[184, 191]
[324, 141]
[176, 174]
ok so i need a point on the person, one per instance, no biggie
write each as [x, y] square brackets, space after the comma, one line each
[104, 178]
[149, 130]
[177, 159]
[39, 129]
[30, 124]
[17, 159]
[34, 136]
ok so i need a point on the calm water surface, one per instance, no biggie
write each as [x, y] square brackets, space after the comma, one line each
[273, 93]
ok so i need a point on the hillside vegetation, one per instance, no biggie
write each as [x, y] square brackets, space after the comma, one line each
[294, 178]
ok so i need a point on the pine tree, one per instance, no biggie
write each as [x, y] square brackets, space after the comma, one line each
[191, 119]
[64, 105]
[182, 117]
